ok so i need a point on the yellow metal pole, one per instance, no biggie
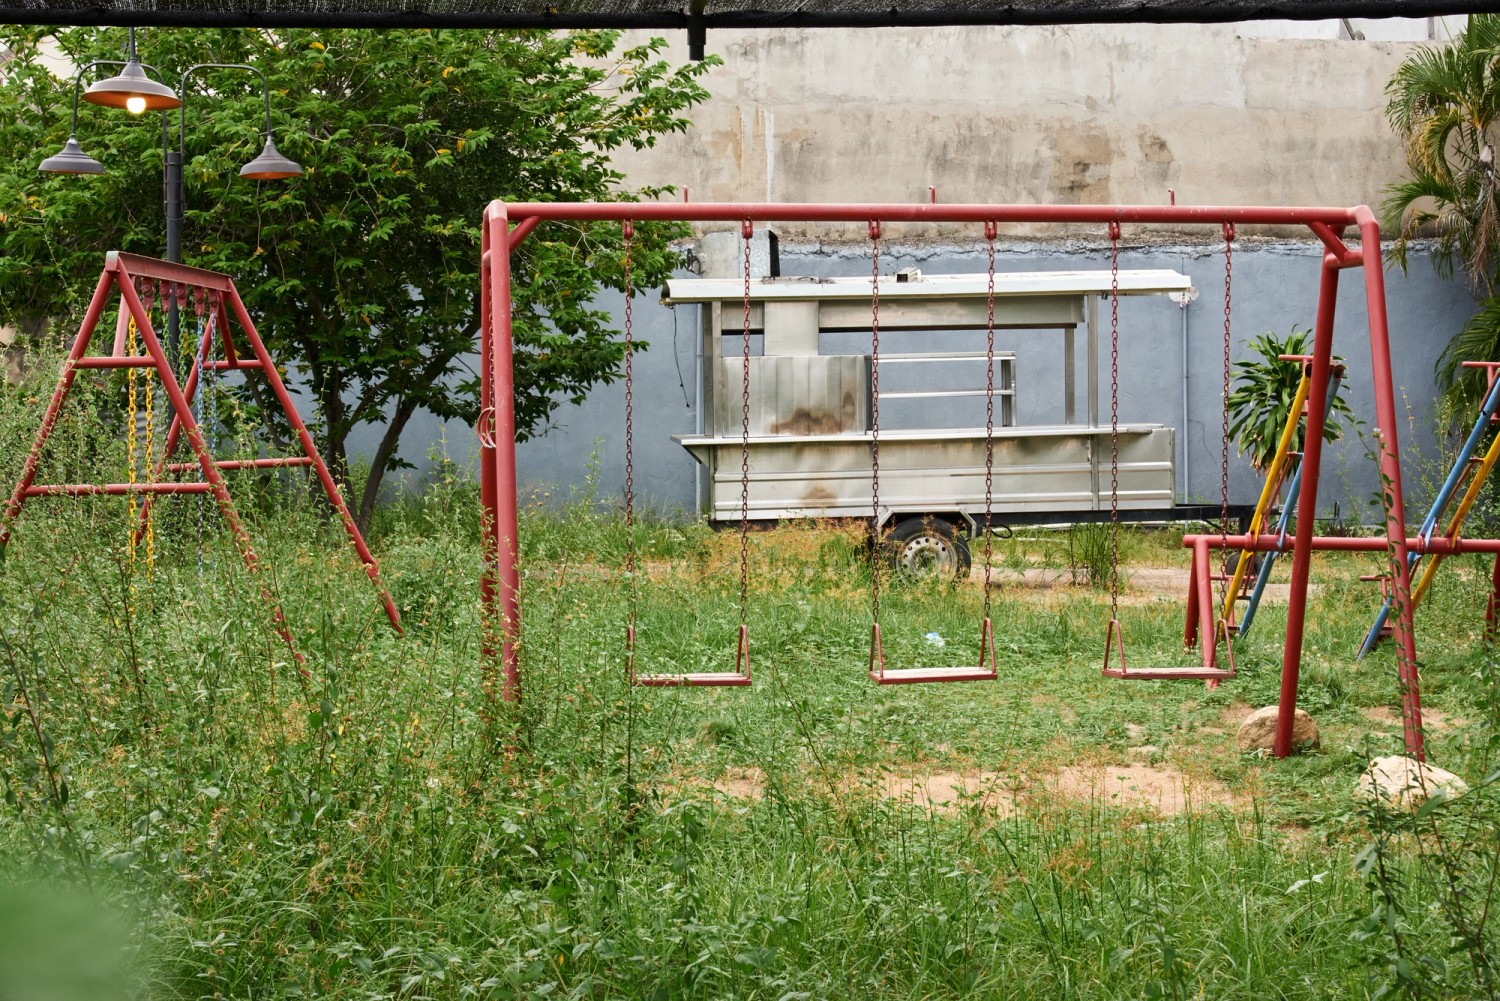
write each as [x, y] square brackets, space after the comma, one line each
[1268, 492]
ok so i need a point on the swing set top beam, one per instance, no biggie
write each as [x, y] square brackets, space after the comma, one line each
[1269, 215]
[137, 266]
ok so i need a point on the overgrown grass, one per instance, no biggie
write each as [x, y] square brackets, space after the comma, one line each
[367, 826]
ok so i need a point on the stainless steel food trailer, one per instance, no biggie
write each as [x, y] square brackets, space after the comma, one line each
[810, 434]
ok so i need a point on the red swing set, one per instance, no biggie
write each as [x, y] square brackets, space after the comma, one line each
[213, 300]
[507, 225]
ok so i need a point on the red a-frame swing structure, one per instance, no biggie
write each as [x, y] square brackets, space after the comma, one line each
[212, 298]
[507, 225]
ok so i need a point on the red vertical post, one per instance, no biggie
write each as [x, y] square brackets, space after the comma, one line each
[1307, 505]
[1492, 609]
[1390, 474]
[504, 527]
[54, 407]
[1190, 626]
[1202, 576]
[484, 431]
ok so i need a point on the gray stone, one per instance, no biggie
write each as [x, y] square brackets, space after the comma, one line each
[1405, 784]
[1258, 732]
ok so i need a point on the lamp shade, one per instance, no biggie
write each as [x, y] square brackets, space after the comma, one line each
[71, 159]
[132, 82]
[270, 165]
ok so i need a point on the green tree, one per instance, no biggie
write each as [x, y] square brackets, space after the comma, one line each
[1444, 104]
[362, 274]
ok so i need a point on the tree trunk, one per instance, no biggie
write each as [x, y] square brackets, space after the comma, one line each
[384, 453]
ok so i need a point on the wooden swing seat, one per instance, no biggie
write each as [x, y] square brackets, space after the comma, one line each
[919, 675]
[983, 671]
[1114, 643]
[738, 678]
[701, 679]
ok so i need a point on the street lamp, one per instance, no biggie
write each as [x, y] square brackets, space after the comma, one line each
[71, 159]
[134, 91]
[268, 166]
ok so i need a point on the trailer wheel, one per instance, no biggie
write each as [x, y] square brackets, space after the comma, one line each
[928, 548]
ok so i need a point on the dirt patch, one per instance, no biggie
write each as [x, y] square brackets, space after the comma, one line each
[1157, 788]
[1436, 719]
[1433, 720]
[740, 783]
[949, 792]
[1163, 789]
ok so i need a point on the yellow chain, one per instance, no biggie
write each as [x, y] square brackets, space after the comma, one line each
[132, 451]
[150, 478]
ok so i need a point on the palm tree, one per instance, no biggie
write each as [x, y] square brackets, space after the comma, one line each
[1444, 102]
[1445, 106]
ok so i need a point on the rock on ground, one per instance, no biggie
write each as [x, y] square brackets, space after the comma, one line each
[1258, 731]
[1406, 784]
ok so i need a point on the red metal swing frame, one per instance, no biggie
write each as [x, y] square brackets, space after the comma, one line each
[507, 225]
[214, 293]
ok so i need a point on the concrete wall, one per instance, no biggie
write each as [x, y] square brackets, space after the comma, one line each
[1087, 113]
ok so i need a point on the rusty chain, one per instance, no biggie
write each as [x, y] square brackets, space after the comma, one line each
[990, 230]
[1114, 421]
[746, 231]
[628, 231]
[876, 555]
[1224, 447]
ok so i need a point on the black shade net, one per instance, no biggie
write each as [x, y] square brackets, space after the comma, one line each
[697, 15]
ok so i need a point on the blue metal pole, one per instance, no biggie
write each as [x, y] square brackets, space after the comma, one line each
[1429, 524]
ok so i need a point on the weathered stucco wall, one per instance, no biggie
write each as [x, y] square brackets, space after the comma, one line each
[1236, 114]
[1090, 113]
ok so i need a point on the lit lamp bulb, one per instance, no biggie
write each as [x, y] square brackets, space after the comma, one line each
[135, 105]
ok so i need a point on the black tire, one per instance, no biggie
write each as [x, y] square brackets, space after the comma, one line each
[927, 548]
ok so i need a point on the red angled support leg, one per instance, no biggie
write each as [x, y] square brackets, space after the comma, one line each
[1387, 420]
[310, 451]
[54, 407]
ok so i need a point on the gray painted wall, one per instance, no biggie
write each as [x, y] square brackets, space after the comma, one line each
[1275, 285]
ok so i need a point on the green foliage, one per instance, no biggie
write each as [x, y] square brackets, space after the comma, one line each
[1260, 398]
[1443, 102]
[363, 274]
[1479, 340]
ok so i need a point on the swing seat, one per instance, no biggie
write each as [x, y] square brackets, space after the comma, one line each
[983, 671]
[923, 675]
[1114, 642]
[738, 678]
[700, 679]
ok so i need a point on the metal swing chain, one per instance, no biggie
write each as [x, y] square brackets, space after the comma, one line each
[990, 230]
[628, 229]
[875, 420]
[1114, 421]
[149, 459]
[132, 445]
[747, 232]
[1224, 409]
